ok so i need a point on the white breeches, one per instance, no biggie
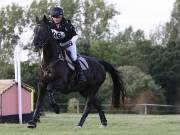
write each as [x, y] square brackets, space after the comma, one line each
[72, 48]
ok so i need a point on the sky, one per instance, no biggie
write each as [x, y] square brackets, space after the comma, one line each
[140, 14]
[143, 14]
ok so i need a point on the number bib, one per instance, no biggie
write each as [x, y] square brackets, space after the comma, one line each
[58, 34]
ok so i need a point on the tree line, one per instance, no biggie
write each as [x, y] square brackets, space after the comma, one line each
[148, 65]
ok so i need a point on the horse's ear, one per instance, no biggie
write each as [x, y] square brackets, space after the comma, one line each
[37, 20]
[45, 19]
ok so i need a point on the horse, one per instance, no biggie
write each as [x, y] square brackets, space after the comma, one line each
[55, 74]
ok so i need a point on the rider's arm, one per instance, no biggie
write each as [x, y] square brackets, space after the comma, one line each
[70, 27]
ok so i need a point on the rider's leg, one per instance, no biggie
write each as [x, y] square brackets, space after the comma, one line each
[72, 53]
[79, 70]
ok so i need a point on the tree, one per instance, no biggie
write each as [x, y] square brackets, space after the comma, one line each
[165, 70]
[130, 37]
[29, 72]
[104, 50]
[127, 36]
[166, 64]
[139, 36]
[175, 23]
[39, 8]
[95, 21]
[6, 70]
[138, 82]
[72, 10]
[161, 35]
[12, 23]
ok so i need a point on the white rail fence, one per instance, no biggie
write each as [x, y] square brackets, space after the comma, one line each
[128, 108]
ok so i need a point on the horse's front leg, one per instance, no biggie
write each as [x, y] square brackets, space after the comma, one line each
[36, 114]
[52, 100]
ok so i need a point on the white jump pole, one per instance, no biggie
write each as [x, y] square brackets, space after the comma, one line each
[17, 66]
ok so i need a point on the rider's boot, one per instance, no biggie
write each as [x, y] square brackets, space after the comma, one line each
[78, 69]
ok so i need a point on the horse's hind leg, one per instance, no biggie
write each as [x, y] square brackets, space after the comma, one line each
[98, 106]
[87, 110]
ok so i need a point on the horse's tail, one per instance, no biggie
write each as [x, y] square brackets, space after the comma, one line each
[119, 90]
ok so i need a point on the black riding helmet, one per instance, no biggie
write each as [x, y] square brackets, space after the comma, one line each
[56, 11]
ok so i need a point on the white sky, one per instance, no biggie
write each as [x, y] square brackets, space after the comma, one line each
[143, 14]
[140, 14]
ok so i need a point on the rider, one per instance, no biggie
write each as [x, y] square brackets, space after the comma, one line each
[65, 34]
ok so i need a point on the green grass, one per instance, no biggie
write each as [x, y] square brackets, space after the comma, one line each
[63, 124]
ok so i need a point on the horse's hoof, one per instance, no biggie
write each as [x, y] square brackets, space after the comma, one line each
[78, 127]
[38, 121]
[103, 126]
[56, 108]
[31, 124]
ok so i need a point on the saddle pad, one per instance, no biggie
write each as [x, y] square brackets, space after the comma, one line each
[82, 61]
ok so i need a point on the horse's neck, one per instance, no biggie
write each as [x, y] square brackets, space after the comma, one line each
[50, 53]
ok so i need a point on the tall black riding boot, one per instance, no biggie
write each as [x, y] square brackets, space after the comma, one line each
[81, 76]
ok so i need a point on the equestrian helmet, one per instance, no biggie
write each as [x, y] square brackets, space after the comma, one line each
[56, 12]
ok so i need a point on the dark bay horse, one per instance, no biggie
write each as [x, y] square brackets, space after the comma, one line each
[55, 74]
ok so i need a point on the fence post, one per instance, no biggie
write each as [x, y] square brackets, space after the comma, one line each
[145, 109]
[78, 107]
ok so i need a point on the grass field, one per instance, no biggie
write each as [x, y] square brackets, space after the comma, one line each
[63, 124]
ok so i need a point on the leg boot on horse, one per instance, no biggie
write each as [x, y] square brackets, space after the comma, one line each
[52, 100]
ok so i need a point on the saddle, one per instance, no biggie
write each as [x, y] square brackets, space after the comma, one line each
[83, 63]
